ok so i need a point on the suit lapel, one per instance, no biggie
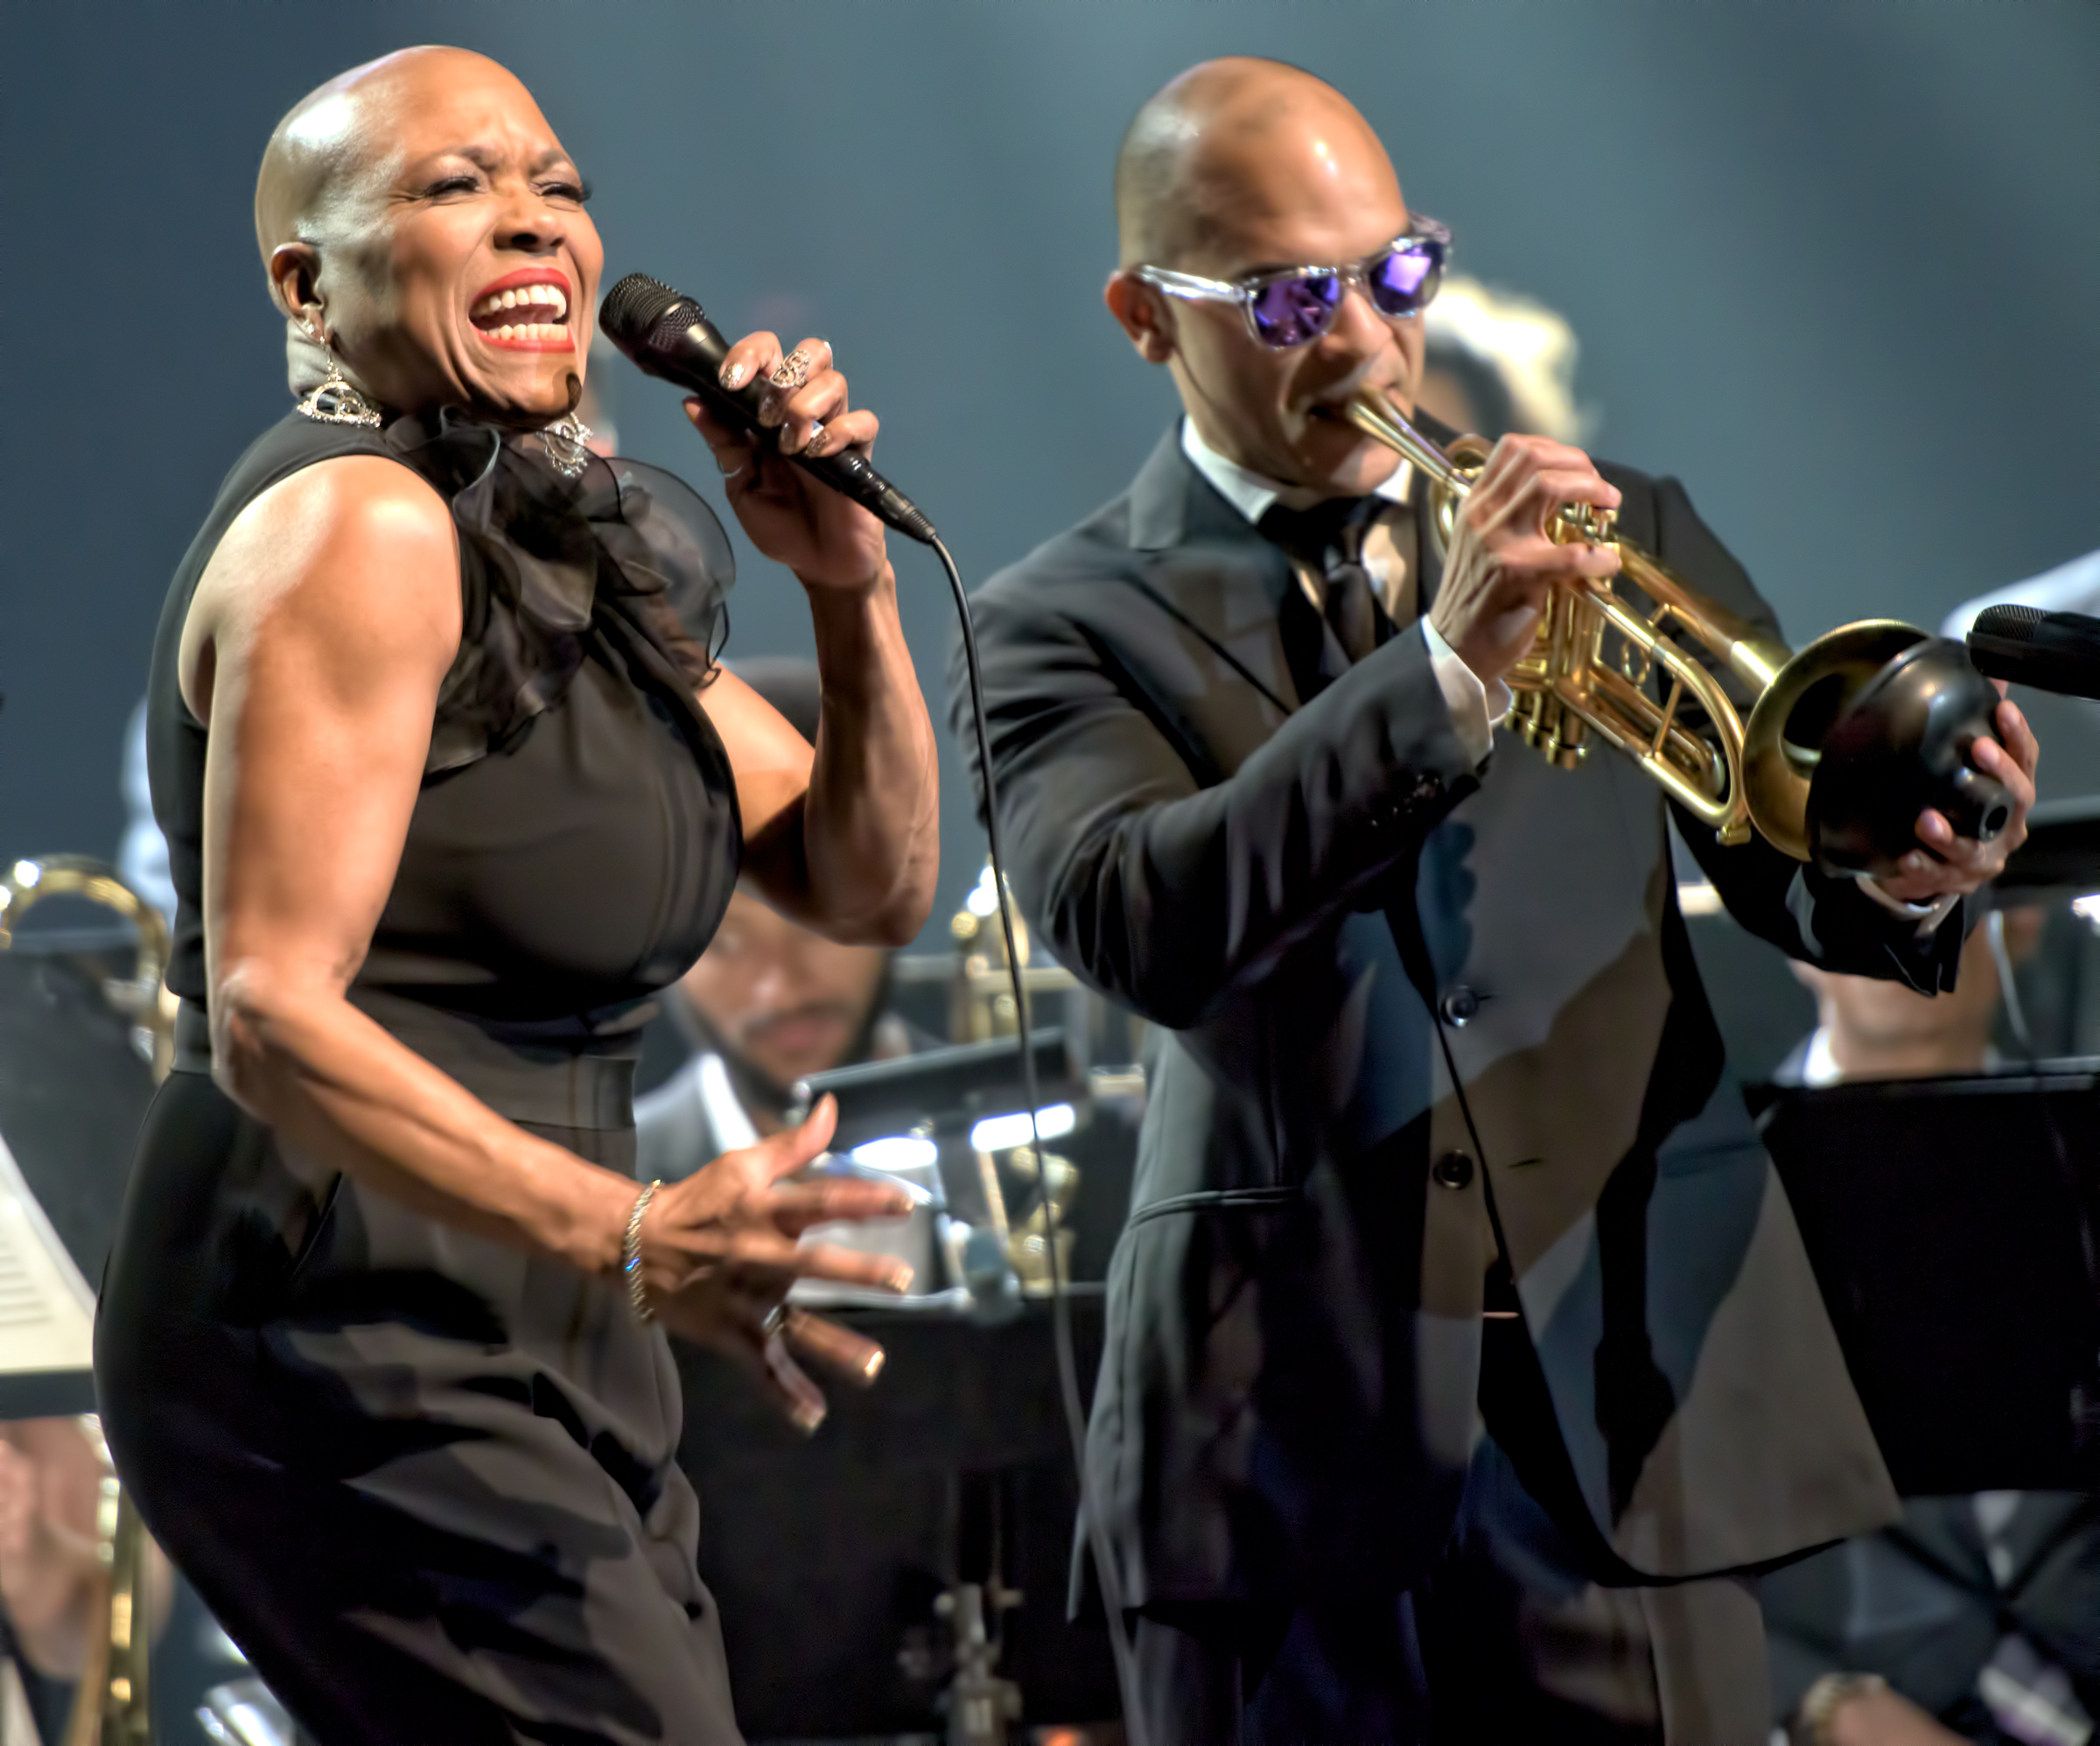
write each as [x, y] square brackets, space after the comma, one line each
[1202, 563]
[1206, 565]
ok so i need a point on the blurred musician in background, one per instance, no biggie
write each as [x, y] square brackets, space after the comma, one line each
[1410, 1006]
[51, 1581]
[1871, 1029]
[1975, 1618]
[769, 1002]
[50, 1482]
[1494, 362]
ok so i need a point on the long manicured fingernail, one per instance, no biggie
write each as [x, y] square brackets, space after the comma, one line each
[871, 1365]
[818, 437]
[732, 375]
[901, 1279]
[807, 1418]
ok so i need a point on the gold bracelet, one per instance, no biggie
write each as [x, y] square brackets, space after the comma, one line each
[630, 1255]
[1812, 1720]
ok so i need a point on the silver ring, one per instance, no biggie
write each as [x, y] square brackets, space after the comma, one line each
[776, 1318]
[792, 371]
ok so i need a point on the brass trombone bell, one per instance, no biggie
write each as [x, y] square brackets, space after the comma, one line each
[144, 998]
[1735, 768]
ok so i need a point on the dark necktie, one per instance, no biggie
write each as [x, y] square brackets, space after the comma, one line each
[1334, 526]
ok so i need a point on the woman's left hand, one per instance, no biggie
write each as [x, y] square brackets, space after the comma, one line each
[826, 539]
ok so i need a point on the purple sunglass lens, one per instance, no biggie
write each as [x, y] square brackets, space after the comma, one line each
[1405, 280]
[1290, 312]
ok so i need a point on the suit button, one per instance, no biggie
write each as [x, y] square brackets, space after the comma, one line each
[1452, 1170]
[1461, 1006]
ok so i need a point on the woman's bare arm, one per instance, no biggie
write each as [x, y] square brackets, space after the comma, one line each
[313, 651]
[846, 838]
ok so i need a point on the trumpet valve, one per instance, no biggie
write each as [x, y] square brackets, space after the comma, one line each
[1523, 716]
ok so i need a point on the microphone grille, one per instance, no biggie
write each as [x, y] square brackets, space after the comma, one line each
[635, 305]
[2010, 624]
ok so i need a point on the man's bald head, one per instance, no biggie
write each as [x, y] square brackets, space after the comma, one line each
[1184, 162]
[1237, 165]
[322, 153]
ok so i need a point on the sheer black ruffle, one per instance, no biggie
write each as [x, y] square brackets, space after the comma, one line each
[534, 549]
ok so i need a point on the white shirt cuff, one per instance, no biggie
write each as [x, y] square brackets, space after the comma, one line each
[1476, 711]
[1927, 915]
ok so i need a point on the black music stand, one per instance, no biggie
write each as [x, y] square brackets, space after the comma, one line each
[1950, 1224]
[826, 1553]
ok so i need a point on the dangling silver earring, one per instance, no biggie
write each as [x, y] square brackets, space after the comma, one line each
[333, 401]
[567, 442]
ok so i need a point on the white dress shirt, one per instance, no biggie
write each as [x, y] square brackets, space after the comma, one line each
[1476, 710]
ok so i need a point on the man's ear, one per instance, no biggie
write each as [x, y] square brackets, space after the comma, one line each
[1142, 313]
[295, 271]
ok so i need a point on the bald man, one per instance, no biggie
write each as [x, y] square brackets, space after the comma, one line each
[1439, 1125]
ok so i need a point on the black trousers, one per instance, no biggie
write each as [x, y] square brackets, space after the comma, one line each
[1509, 1638]
[1227, 1675]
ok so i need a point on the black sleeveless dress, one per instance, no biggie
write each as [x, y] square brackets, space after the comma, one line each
[426, 1481]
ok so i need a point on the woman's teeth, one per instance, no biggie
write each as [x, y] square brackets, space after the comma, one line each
[545, 307]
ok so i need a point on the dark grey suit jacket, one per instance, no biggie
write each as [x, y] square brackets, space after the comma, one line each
[1369, 959]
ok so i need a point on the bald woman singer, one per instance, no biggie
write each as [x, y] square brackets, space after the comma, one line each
[451, 785]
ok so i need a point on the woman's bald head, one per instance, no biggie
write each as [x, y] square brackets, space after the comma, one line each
[334, 141]
[417, 216]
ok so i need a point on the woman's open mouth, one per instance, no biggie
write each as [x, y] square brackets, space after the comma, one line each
[525, 312]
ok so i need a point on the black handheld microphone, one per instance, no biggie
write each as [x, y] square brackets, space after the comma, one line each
[669, 335]
[2052, 651]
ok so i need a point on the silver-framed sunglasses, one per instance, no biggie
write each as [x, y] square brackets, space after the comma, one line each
[1289, 306]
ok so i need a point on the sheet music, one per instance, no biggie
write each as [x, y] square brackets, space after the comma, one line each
[46, 1311]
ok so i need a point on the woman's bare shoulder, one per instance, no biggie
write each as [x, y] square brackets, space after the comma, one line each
[358, 552]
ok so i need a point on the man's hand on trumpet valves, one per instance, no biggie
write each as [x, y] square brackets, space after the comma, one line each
[1503, 557]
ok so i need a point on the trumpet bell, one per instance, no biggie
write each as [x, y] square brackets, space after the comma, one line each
[1902, 746]
[1784, 738]
[1859, 733]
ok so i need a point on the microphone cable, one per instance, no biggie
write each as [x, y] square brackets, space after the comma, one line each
[667, 334]
[1060, 1302]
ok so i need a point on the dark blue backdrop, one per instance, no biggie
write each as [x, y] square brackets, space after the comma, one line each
[1833, 264]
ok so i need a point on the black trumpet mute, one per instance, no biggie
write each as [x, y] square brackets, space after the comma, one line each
[1899, 745]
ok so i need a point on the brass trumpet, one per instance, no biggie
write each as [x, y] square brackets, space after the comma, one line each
[1590, 667]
